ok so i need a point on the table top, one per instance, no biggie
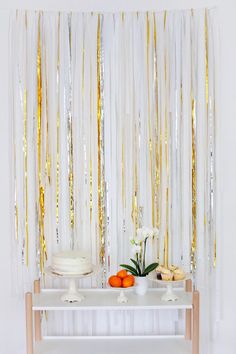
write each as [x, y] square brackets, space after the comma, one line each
[107, 299]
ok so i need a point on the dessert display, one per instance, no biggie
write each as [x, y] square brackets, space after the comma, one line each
[121, 280]
[179, 274]
[166, 274]
[71, 263]
[172, 273]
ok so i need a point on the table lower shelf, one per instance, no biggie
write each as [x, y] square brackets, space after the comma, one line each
[114, 346]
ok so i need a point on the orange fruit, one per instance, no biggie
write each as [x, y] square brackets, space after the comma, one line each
[128, 281]
[122, 274]
[115, 281]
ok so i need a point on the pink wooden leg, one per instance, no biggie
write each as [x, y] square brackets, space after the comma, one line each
[29, 323]
[196, 317]
[188, 315]
[37, 317]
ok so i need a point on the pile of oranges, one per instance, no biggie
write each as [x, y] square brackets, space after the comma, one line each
[121, 280]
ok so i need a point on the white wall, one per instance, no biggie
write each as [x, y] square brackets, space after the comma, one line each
[12, 309]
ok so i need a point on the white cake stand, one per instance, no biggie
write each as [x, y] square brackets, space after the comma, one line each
[72, 295]
[122, 298]
[169, 294]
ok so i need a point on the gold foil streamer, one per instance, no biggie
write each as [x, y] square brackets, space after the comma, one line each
[58, 131]
[26, 179]
[39, 93]
[43, 253]
[100, 147]
[42, 242]
[194, 191]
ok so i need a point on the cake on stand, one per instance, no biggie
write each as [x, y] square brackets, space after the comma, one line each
[72, 294]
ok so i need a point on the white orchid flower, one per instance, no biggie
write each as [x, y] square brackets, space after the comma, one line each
[155, 232]
[136, 249]
[146, 232]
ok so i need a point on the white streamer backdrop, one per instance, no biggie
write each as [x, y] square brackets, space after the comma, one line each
[127, 131]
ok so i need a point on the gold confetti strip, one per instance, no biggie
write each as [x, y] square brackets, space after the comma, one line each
[42, 242]
[43, 253]
[39, 94]
[194, 191]
[100, 147]
[58, 131]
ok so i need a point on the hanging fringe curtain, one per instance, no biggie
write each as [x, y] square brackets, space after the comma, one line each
[114, 127]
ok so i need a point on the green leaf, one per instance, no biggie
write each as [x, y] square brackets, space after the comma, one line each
[150, 268]
[136, 265]
[132, 270]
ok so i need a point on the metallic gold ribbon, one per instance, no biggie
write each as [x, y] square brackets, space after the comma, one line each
[101, 182]
[194, 191]
[42, 241]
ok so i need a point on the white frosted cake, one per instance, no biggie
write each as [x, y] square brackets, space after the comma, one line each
[71, 262]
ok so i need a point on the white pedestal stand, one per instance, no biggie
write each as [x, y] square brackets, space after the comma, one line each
[72, 295]
[122, 298]
[169, 295]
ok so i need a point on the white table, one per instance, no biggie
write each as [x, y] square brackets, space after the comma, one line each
[106, 299]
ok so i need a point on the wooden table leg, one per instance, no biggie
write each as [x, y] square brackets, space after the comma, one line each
[29, 323]
[196, 317]
[188, 313]
[37, 317]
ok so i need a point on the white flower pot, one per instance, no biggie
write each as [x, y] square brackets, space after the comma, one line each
[141, 285]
